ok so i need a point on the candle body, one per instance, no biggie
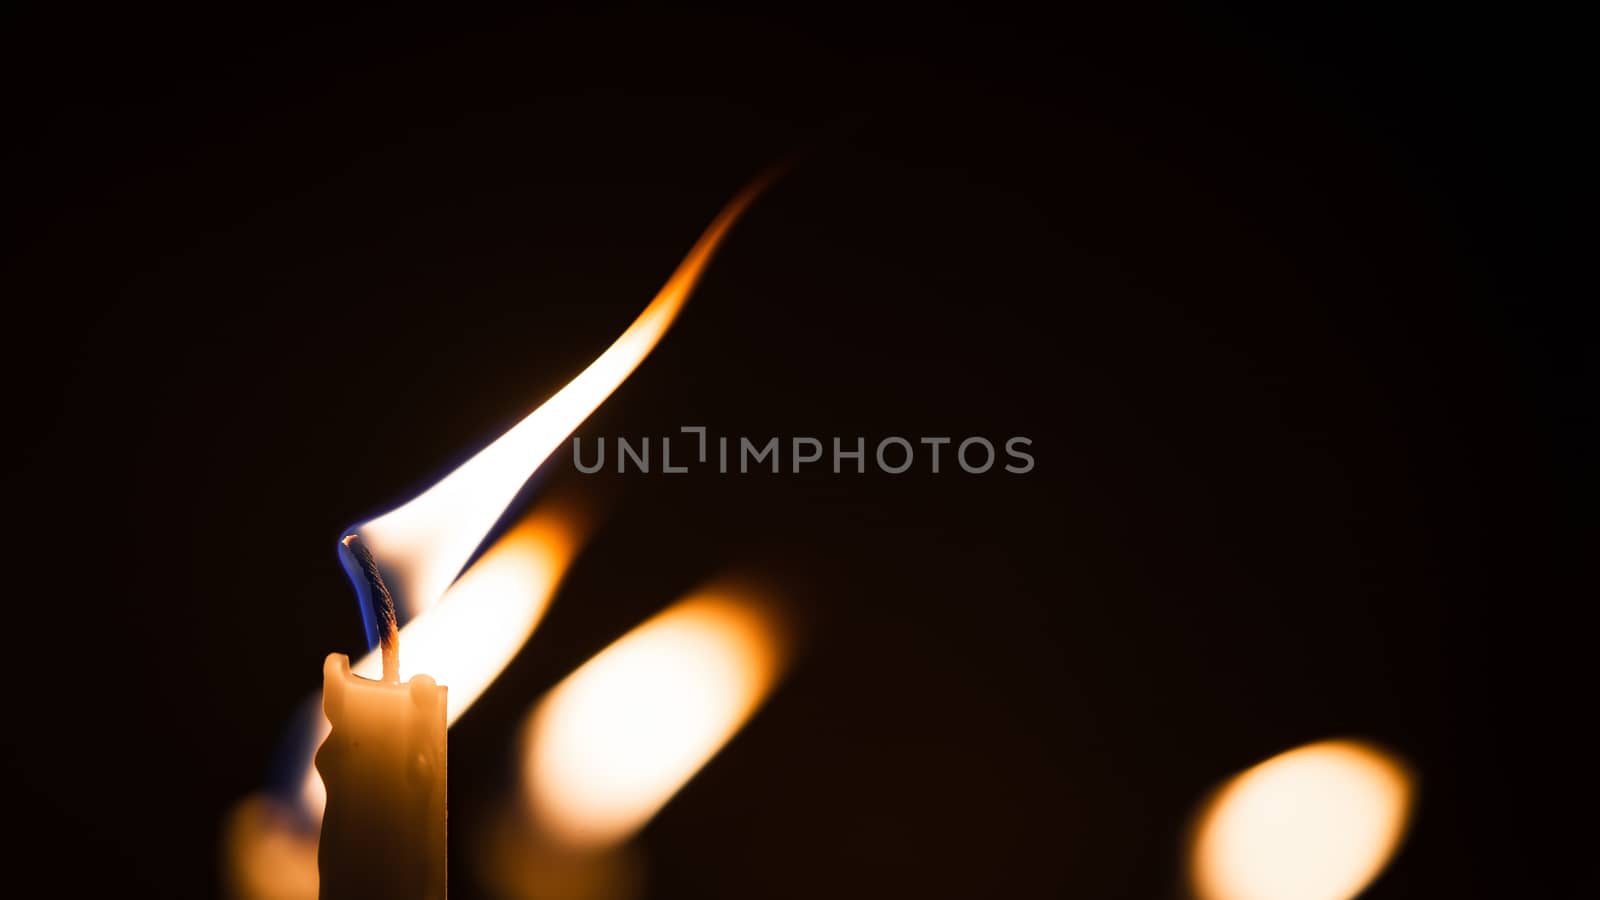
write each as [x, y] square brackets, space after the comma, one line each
[384, 765]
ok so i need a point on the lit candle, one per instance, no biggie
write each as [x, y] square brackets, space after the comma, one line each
[384, 764]
[424, 545]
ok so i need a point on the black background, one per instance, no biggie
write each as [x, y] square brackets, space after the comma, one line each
[1268, 295]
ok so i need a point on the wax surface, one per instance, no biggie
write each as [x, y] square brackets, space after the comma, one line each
[384, 764]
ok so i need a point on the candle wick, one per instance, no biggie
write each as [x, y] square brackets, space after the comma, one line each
[382, 603]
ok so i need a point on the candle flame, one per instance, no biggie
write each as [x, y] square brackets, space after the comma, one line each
[423, 544]
[1319, 822]
[610, 745]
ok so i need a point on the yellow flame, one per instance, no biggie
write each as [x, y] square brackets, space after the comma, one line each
[610, 745]
[423, 544]
[1316, 823]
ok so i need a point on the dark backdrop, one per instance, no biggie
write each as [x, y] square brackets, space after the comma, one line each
[1264, 292]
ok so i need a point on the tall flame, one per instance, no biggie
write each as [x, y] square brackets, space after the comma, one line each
[1319, 822]
[422, 545]
[610, 745]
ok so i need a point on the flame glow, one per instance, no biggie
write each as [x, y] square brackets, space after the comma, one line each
[1316, 823]
[610, 745]
[423, 544]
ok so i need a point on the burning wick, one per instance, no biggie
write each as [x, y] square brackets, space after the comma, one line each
[377, 604]
[384, 763]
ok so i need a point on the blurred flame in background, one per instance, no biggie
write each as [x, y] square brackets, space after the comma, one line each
[266, 853]
[606, 749]
[465, 632]
[1319, 822]
[610, 745]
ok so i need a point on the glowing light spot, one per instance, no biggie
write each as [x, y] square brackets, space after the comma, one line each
[610, 745]
[1319, 822]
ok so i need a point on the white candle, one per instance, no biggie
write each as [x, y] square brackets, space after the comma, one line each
[384, 763]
